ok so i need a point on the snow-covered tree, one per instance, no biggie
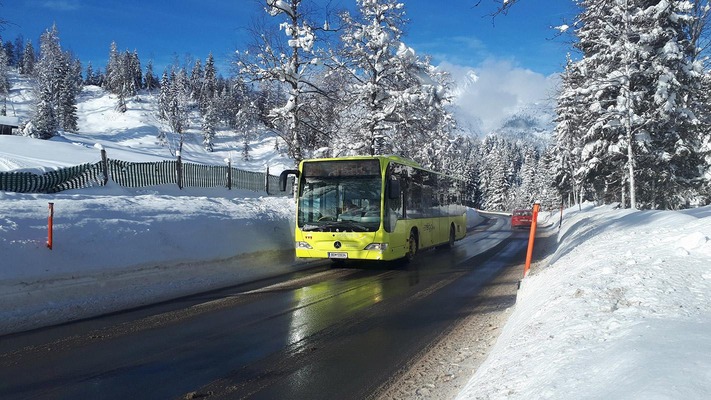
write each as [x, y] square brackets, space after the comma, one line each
[123, 75]
[639, 82]
[290, 60]
[19, 49]
[58, 80]
[570, 110]
[27, 67]
[210, 119]
[195, 80]
[496, 173]
[70, 86]
[150, 82]
[174, 103]
[9, 49]
[4, 80]
[208, 83]
[394, 98]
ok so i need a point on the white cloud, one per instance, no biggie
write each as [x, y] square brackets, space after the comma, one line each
[61, 5]
[500, 90]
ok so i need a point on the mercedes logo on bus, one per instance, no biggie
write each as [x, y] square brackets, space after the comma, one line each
[337, 245]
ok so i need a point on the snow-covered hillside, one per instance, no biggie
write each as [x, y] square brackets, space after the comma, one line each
[133, 135]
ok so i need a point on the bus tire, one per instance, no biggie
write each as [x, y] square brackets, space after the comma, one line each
[449, 243]
[452, 237]
[412, 246]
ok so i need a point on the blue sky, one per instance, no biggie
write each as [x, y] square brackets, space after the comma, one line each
[453, 30]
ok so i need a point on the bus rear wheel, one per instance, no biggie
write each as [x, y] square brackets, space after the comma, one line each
[412, 243]
[452, 237]
[450, 243]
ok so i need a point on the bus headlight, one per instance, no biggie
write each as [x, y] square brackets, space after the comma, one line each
[377, 247]
[303, 245]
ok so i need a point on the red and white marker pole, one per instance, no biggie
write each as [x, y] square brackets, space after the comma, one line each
[531, 238]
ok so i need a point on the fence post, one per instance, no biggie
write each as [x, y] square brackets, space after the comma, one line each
[266, 181]
[50, 222]
[105, 166]
[531, 238]
[229, 173]
[179, 170]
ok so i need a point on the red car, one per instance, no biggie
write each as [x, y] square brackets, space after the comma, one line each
[521, 219]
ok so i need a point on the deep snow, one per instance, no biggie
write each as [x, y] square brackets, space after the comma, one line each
[620, 310]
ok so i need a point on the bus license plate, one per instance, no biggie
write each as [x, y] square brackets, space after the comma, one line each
[337, 255]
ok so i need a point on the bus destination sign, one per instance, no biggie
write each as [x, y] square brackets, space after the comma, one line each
[341, 168]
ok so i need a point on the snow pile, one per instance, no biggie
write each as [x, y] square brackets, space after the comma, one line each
[114, 249]
[622, 311]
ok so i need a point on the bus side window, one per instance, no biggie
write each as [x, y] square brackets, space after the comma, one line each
[393, 201]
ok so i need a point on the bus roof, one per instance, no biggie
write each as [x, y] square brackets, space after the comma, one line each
[390, 157]
[383, 159]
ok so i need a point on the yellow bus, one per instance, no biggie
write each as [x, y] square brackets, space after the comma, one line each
[373, 208]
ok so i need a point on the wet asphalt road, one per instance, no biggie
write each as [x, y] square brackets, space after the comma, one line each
[323, 333]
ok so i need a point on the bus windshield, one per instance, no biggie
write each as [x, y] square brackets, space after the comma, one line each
[340, 197]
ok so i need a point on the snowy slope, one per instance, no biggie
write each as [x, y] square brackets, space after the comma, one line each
[622, 310]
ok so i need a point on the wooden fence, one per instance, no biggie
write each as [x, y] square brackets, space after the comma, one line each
[142, 174]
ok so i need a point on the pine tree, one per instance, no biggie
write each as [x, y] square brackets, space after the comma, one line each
[58, 81]
[174, 103]
[209, 124]
[113, 73]
[207, 101]
[19, 51]
[4, 75]
[150, 82]
[163, 104]
[89, 76]
[9, 50]
[70, 87]
[639, 82]
[567, 134]
[48, 72]
[209, 83]
[28, 60]
[196, 77]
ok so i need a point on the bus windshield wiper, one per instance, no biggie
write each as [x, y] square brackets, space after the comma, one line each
[350, 224]
[332, 226]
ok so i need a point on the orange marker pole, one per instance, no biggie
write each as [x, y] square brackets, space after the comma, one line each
[531, 238]
[50, 221]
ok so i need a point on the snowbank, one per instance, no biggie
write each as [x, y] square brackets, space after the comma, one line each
[114, 249]
[622, 310]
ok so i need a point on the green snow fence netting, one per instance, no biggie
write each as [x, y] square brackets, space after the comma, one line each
[204, 176]
[76, 177]
[140, 174]
[130, 174]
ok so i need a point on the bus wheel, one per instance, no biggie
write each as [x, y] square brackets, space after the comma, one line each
[451, 237]
[413, 247]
